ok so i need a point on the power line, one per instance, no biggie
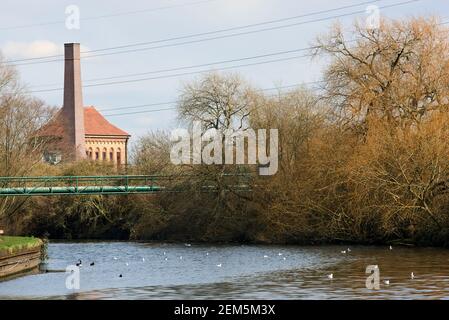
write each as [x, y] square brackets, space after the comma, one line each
[141, 106]
[175, 75]
[177, 101]
[192, 66]
[196, 66]
[239, 27]
[246, 32]
[204, 33]
[212, 32]
[188, 67]
[138, 112]
[118, 14]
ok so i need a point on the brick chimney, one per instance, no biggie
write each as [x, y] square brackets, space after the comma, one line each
[73, 107]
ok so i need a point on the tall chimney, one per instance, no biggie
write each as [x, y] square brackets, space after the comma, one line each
[73, 108]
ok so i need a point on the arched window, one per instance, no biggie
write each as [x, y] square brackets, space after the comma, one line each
[119, 156]
[111, 154]
[105, 154]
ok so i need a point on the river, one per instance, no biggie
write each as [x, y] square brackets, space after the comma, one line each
[194, 271]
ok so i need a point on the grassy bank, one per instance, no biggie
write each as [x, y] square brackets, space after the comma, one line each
[10, 245]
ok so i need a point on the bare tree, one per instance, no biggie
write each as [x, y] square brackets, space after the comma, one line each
[399, 71]
[219, 101]
[20, 117]
[151, 153]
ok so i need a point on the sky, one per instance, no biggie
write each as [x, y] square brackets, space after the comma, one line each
[33, 29]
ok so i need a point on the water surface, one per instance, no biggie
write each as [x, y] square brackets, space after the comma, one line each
[179, 271]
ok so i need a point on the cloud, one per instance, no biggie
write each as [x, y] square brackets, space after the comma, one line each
[34, 49]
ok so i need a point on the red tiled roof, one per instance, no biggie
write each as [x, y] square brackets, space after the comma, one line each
[54, 128]
[96, 124]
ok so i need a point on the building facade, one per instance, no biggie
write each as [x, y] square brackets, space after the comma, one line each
[104, 141]
[77, 132]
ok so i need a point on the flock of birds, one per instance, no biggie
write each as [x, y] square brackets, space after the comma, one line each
[329, 276]
[386, 281]
[80, 263]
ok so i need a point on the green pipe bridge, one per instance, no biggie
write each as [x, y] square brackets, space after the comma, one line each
[80, 185]
[89, 185]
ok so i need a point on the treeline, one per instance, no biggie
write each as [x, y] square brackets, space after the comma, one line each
[364, 159]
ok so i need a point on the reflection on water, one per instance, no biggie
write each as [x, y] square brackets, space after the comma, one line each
[167, 271]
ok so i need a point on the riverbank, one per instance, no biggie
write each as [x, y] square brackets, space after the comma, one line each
[19, 255]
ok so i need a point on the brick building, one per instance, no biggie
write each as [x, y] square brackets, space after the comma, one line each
[77, 132]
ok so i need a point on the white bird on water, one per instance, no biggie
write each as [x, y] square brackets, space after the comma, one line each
[285, 258]
[330, 276]
[219, 265]
[387, 282]
[349, 250]
[279, 254]
[187, 244]
[265, 256]
[127, 264]
[180, 258]
[344, 252]
[391, 248]
[412, 276]
[115, 258]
